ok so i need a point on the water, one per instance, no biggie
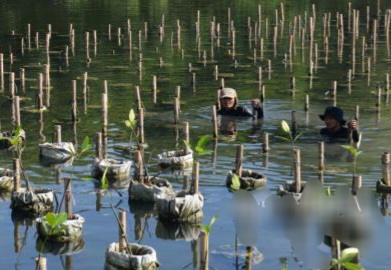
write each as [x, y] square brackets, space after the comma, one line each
[112, 62]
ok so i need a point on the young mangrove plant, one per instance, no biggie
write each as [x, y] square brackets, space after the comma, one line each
[288, 135]
[354, 152]
[200, 147]
[348, 260]
[53, 225]
[206, 228]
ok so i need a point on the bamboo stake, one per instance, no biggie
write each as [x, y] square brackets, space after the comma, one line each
[186, 137]
[22, 80]
[74, 102]
[176, 110]
[356, 183]
[385, 161]
[16, 169]
[239, 160]
[214, 120]
[68, 197]
[321, 166]
[41, 263]
[40, 92]
[1, 72]
[122, 231]
[98, 146]
[17, 111]
[204, 250]
[196, 169]
[297, 163]
[12, 85]
[265, 144]
[140, 126]
[85, 91]
[307, 103]
[57, 132]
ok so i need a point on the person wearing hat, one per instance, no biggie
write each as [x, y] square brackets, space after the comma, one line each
[229, 105]
[335, 130]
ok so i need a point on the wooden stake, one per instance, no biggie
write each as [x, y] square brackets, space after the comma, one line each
[122, 230]
[214, 120]
[40, 92]
[140, 166]
[12, 85]
[22, 80]
[239, 160]
[307, 103]
[196, 169]
[321, 159]
[58, 135]
[104, 122]
[68, 197]
[17, 111]
[98, 146]
[74, 101]
[356, 183]
[41, 263]
[85, 91]
[140, 126]
[176, 110]
[265, 144]
[1, 72]
[385, 161]
[297, 163]
[185, 135]
[16, 168]
[204, 250]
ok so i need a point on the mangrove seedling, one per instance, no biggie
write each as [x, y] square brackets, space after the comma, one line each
[131, 124]
[354, 152]
[200, 145]
[288, 134]
[347, 260]
[53, 224]
[207, 227]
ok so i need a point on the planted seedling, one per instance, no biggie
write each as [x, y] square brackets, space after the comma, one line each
[354, 152]
[347, 260]
[288, 134]
[201, 144]
[52, 224]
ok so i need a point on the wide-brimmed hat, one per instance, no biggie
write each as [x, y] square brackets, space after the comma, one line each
[228, 93]
[335, 112]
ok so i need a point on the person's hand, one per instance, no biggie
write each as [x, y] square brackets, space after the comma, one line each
[353, 124]
[255, 103]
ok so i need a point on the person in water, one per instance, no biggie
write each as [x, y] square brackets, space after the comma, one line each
[335, 130]
[229, 105]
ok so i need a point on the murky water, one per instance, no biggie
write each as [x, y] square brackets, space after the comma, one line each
[111, 60]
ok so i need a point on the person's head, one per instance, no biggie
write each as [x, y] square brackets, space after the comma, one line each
[333, 117]
[228, 98]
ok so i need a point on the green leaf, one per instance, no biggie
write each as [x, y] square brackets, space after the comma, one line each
[87, 178]
[104, 180]
[58, 229]
[128, 123]
[132, 116]
[352, 150]
[201, 152]
[187, 144]
[16, 137]
[283, 138]
[202, 141]
[285, 127]
[352, 266]
[213, 220]
[55, 219]
[328, 191]
[86, 145]
[235, 182]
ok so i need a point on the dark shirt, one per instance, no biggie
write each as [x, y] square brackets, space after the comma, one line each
[241, 111]
[341, 136]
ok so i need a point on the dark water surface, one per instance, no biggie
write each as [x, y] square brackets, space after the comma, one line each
[111, 61]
